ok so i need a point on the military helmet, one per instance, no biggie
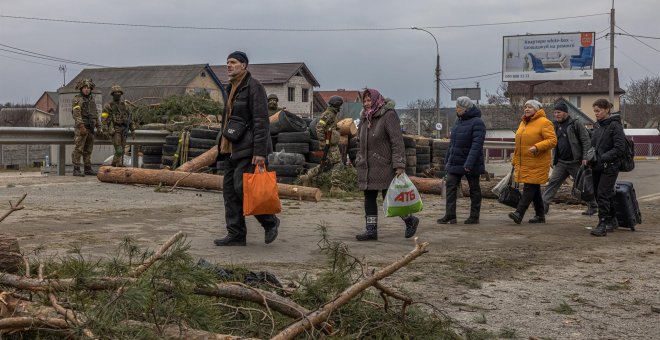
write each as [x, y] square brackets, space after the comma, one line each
[273, 96]
[116, 88]
[85, 82]
[336, 101]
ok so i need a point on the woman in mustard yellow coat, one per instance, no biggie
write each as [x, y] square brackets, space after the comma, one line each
[531, 159]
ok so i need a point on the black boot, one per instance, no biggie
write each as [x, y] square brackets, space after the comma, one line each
[472, 220]
[371, 234]
[89, 171]
[230, 240]
[611, 224]
[411, 225]
[76, 172]
[447, 220]
[601, 228]
[271, 233]
[516, 217]
[537, 219]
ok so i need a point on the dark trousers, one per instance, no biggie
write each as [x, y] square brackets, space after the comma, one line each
[453, 184]
[371, 202]
[604, 182]
[531, 194]
[560, 173]
[232, 192]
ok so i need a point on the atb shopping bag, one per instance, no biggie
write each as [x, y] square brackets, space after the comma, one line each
[402, 197]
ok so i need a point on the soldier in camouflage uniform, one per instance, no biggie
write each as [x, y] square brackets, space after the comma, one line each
[328, 123]
[117, 121]
[273, 108]
[86, 123]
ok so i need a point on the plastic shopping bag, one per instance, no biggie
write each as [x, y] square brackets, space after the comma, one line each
[402, 197]
[260, 193]
[497, 190]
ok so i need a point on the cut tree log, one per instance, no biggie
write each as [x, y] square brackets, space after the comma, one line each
[110, 174]
[205, 159]
[428, 185]
[347, 127]
[321, 315]
[10, 255]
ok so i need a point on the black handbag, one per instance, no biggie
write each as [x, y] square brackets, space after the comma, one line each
[510, 195]
[235, 129]
[583, 185]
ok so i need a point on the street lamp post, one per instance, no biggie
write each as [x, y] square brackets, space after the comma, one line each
[437, 82]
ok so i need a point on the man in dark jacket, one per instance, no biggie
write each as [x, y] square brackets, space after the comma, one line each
[573, 142]
[465, 157]
[247, 101]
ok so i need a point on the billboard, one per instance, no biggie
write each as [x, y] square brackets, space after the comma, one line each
[473, 93]
[559, 56]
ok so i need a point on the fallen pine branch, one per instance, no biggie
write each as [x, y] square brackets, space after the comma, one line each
[320, 315]
[14, 207]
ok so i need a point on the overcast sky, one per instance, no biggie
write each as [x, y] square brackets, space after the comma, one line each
[400, 63]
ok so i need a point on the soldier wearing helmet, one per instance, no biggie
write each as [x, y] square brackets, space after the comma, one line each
[328, 134]
[273, 107]
[117, 122]
[86, 123]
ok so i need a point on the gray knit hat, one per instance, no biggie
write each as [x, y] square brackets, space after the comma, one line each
[535, 104]
[464, 102]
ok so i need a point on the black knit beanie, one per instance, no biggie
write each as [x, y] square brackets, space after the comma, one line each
[240, 56]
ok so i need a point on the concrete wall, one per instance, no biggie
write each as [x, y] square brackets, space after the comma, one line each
[297, 106]
[22, 155]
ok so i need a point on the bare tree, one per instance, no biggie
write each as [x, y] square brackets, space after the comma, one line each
[427, 116]
[642, 102]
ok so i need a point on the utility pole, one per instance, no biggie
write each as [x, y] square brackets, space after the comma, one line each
[612, 54]
[437, 82]
[63, 70]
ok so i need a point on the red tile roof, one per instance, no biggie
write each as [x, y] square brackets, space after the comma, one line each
[350, 96]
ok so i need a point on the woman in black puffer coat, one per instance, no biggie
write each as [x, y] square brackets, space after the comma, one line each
[609, 141]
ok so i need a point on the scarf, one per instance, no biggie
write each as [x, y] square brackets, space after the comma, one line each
[377, 102]
[225, 144]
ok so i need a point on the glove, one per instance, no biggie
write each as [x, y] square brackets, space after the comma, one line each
[82, 129]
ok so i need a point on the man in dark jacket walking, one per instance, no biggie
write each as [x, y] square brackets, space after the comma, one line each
[573, 142]
[465, 157]
[246, 102]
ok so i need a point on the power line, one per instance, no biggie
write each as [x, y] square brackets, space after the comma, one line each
[27, 61]
[647, 45]
[472, 77]
[638, 36]
[634, 61]
[107, 23]
[44, 56]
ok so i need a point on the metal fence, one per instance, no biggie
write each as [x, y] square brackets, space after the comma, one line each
[647, 149]
[64, 136]
[503, 150]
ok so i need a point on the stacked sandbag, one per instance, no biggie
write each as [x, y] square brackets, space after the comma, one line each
[438, 153]
[423, 154]
[411, 155]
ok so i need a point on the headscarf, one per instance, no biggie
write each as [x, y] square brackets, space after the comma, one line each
[377, 102]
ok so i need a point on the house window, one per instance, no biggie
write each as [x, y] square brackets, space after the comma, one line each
[203, 75]
[305, 95]
[291, 94]
[576, 100]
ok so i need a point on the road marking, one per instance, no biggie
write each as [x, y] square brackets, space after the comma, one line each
[649, 198]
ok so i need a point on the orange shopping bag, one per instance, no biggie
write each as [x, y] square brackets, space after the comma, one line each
[260, 193]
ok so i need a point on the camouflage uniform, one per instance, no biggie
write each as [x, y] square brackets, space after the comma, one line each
[85, 117]
[328, 122]
[117, 122]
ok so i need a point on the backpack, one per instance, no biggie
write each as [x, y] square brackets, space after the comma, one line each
[628, 160]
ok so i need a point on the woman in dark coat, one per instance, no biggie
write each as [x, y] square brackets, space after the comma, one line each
[609, 141]
[380, 158]
[465, 157]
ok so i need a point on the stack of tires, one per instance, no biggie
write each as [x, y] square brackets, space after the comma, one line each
[151, 156]
[438, 153]
[201, 140]
[291, 138]
[411, 155]
[169, 149]
[423, 154]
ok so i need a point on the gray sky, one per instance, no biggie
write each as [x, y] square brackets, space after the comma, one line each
[399, 63]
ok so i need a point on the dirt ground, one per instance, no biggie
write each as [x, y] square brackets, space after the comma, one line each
[551, 281]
